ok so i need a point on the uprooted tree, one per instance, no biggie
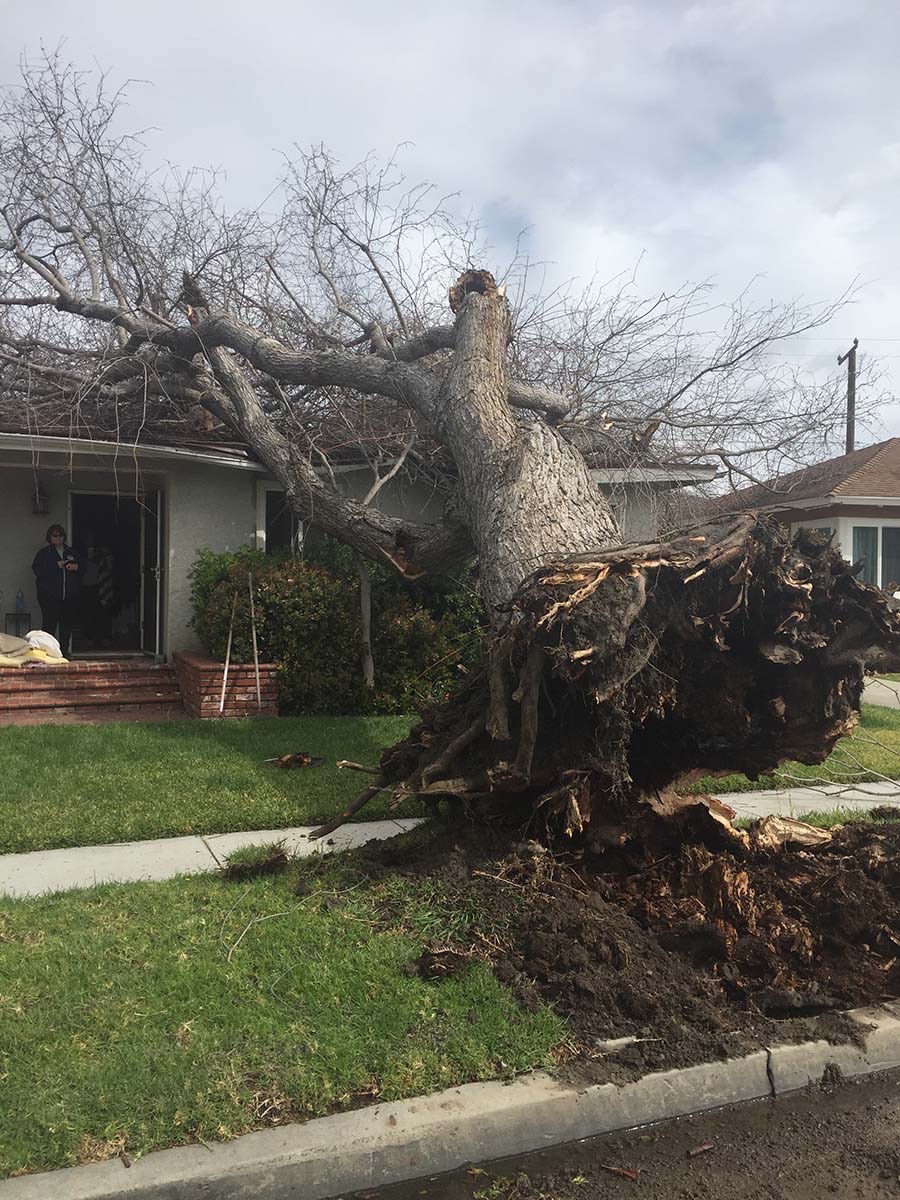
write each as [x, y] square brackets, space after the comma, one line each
[613, 672]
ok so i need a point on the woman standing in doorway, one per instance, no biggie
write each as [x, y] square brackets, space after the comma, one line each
[56, 568]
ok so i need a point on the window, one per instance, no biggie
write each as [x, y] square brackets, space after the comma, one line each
[283, 530]
[865, 547]
[890, 555]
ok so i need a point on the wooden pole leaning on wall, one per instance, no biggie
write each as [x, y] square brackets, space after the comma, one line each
[255, 647]
[227, 655]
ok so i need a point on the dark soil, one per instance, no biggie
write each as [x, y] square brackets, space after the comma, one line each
[691, 953]
[828, 1141]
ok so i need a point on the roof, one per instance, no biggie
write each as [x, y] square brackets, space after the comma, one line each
[872, 473]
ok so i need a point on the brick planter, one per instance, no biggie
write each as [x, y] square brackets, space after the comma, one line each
[200, 679]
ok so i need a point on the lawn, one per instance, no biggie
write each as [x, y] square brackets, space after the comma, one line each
[78, 785]
[871, 752]
[145, 1015]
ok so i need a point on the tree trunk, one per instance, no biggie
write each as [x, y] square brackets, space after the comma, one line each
[527, 492]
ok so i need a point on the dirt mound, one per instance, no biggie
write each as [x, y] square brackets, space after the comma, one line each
[682, 957]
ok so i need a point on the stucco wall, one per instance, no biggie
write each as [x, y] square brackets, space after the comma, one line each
[207, 506]
[400, 497]
[637, 510]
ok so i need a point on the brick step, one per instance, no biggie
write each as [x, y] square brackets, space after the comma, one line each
[90, 699]
[79, 667]
[34, 680]
[100, 666]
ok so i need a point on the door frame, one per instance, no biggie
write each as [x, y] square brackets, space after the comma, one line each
[157, 652]
[117, 494]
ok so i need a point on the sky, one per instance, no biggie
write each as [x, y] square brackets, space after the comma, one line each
[732, 140]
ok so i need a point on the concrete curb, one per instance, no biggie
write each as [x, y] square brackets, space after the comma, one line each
[427, 1135]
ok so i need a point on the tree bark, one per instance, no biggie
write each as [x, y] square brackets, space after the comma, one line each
[527, 492]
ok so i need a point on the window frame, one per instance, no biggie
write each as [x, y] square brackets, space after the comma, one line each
[263, 488]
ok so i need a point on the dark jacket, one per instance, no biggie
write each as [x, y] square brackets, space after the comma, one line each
[55, 583]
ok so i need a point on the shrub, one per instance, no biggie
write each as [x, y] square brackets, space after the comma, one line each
[307, 621]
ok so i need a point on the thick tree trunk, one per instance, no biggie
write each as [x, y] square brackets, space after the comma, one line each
[528, 493]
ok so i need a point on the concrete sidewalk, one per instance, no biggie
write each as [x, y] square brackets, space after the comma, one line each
[42, 871]
[795, 801]
[882, 691]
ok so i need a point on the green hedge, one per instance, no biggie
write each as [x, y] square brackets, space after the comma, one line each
[308, 621]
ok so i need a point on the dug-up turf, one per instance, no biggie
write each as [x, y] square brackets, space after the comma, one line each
[680, 956]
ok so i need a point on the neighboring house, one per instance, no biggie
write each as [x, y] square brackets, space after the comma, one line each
[855, 498]
[147, 508]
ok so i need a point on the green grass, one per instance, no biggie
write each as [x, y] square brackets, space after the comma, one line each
[872, 751]
[78, 785]
[832, 817]
[844, 816]
[145, 1015]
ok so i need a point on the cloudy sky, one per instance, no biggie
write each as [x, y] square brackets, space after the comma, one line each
[731, 139]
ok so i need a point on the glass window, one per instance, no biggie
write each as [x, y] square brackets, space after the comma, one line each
[890, 556]
[865, 547]
[283, 530]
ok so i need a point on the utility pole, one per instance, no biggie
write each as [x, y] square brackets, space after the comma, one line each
[850, 358]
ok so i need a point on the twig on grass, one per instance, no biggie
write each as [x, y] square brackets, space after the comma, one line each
[242, 896]
[344, 764]
[257, 921]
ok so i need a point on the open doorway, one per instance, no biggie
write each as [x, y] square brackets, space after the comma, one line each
[107, 533]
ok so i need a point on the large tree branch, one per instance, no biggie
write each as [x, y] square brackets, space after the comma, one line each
[410, 548]
[372, 374]
[552, 404]
[429, 341]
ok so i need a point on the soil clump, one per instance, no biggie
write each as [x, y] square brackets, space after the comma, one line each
[664, 956]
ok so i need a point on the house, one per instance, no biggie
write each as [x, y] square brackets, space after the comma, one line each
[146, 507]
[854, 498]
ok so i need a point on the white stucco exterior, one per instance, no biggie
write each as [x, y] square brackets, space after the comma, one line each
[206, 507]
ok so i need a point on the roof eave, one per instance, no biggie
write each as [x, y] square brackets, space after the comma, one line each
[47, 444]
[679, 476]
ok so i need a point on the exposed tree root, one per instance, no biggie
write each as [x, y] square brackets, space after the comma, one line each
[635, 670]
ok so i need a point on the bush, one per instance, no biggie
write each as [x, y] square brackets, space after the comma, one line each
[308, 621]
